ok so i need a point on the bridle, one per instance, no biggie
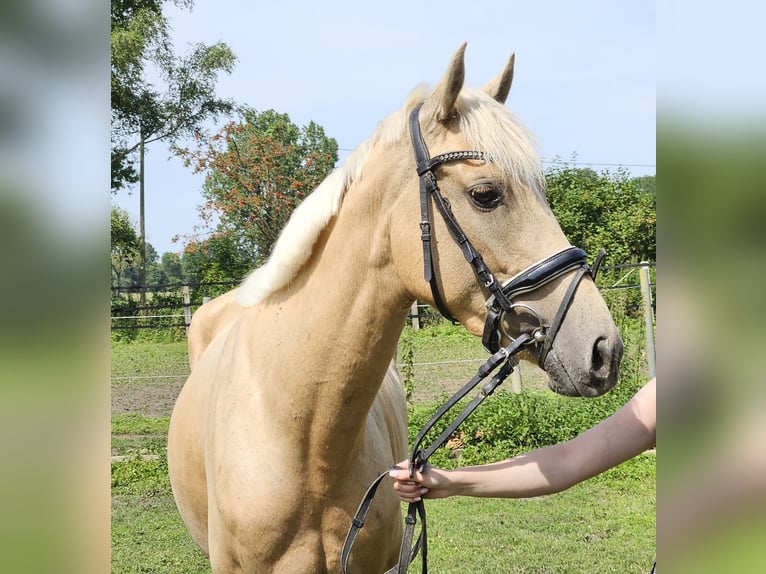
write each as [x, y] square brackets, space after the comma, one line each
[500, 299]
[499, 303]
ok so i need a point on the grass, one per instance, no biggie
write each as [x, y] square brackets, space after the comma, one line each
[149, 359]
[134, 423]
[604, 525]
[136, 435]
[149, 536]
[594, 527]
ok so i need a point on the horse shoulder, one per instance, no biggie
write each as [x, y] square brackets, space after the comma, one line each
[208, 321]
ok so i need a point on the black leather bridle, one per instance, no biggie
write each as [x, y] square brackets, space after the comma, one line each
[499, 302]
[500, 299]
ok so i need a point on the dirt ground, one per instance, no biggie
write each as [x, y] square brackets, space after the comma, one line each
[155, 397]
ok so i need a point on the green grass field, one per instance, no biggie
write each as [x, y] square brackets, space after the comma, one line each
[605, 525]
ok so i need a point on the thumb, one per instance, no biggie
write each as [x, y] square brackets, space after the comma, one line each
[400, 471]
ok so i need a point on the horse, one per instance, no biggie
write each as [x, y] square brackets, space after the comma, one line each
[285, 420]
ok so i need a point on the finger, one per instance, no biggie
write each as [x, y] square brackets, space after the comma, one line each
[406, 487]
[400, 471]
[415, 496]
[409, 497]
[401, 475]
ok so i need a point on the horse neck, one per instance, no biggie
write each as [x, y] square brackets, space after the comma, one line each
[339, 323]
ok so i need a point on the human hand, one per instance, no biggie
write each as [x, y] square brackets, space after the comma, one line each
[427, 483]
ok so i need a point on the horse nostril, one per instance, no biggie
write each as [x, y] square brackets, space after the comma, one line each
[600, 360]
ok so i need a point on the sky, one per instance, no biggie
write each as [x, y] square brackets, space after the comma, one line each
[584, 80]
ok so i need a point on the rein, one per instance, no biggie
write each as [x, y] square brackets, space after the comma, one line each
[502, 360]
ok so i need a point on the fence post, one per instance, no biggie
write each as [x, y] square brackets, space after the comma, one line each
[516, 379]
[187, 306]
[646, 297]
[206, 300]
[415, 316]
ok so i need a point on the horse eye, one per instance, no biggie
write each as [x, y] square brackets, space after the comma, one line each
[485, 197]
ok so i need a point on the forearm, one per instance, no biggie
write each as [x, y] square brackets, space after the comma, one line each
[536, 473]
[625, 434]
[551, 469]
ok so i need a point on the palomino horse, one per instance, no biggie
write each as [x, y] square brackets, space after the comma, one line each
[275, 436]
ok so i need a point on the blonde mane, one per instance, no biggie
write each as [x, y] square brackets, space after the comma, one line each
[486, 125]
[507, 144]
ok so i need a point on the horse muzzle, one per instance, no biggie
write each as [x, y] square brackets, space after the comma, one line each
[500, 303]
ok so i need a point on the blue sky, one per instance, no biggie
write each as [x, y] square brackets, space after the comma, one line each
[584, 82]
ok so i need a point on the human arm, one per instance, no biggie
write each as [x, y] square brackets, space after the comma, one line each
[628, 432]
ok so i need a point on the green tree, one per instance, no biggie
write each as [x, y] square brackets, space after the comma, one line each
[647, 184]
[172, 266]
[124, 244]
[154, 272]
[604, 210]
[143, 111]
[607, 210]
[257, 172]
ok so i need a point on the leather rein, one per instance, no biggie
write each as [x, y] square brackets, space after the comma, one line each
[503, 358]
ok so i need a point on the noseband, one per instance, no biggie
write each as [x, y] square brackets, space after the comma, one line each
[500, 300]
[499, 303]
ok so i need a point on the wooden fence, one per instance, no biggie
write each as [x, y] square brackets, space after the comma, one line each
[169, 305]
[172, 305]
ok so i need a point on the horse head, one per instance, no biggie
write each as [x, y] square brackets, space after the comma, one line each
[478, 186]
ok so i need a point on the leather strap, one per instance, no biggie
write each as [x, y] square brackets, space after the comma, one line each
[429, 187]
[597, 263]
[545, 271]
[550, 334]
[408, 551]
[357, 523]
[419, 457]
[422, 161]
[429, 272]
[504, 355]
[530, 279]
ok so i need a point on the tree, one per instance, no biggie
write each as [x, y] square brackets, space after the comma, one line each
[647, 184]
[606, 210]
[155, 274]
[172, 266]
[142, 113]
[258, 171]
[125, 244]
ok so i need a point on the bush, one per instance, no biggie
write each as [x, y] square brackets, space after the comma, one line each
[507, 424]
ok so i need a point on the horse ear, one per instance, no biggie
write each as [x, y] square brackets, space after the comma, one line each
[445, 94]
[500, 85]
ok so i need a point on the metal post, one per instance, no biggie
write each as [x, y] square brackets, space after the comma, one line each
[646, 296]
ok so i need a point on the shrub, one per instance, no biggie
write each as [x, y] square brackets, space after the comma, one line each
[507, 424]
